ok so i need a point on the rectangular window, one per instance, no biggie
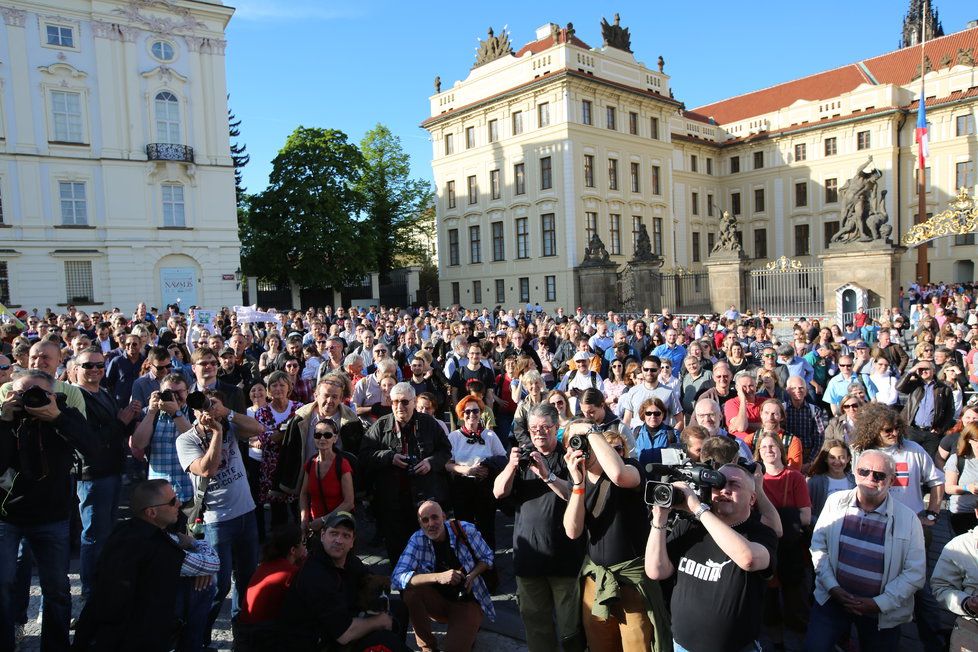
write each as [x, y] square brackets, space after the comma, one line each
[758, 160]
[493, 131]
[543, 114]
[498, 242]
[694, 163]
[614, 223]
[636, 229]
[735, 203]
[829, 229]
[831, 191]
[710, 241]
[654, 128]
[758, 200]
[862, 140]
[475, 244]
[656, 180]
[546, 176]
[611, 115]
[548, 231]
[519, 174]
[1, 214]
[964, 240]
[709, 165]
[522, 238]
[517, 122]
[801, 194]
[456, 293]
[695, 203]
[60, 36]
[657, 235]
[633, 123]
[78, 281]
[500, 290]
[66, 114]
[524, 289]
[74, 206]
[173, 206]
[830, 146]
[469, 137]
[802, 245]
[550, 284]
[801, 152]
[964, 125]
[613, 174]
[636, 177]
[760, 243]
[590, 227]
[734, 164]
[964, 174]
[450, 192]
[473, 189]
[476, 292]
[453, 247]
[494, 183]
[696, 246]
[4, 284]
[709, 205]
[586, 112]
[449, 144]
[588, 171]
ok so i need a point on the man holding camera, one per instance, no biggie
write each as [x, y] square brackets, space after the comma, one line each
[722, 556]
[546, 563]
[39, 436]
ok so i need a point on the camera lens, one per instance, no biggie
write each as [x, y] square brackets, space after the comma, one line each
[662, 495]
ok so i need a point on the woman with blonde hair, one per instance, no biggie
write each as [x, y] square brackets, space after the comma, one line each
[961, 480]
[534, 389]
[561, 403]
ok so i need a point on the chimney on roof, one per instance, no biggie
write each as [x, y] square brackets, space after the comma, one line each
[971, 24]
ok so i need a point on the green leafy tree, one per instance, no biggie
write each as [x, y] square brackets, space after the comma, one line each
[305, 227]
[396, 207]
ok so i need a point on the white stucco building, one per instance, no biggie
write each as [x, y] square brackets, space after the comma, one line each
[116, 180]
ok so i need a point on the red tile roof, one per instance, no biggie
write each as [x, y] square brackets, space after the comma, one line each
[896, 67]
[547, 42]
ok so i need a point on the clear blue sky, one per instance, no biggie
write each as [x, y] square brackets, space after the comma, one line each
[348, 65]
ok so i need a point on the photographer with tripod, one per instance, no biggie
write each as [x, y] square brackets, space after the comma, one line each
[722, 556]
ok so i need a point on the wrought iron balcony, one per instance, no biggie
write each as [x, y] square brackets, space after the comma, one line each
[169, 152]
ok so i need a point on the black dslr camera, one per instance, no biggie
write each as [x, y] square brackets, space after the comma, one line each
[34, 397]
[702, 478]
[526, 453]
[411, 461]
[580, 443]
[198, 401]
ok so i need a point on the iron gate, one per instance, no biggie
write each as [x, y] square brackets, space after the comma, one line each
[787, 287]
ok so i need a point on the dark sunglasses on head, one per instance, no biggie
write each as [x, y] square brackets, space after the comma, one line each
[323, 434]
[471, 411]
[653, 413]
[850, 406]
[654, 370]
[4, 367]
[172, 502]
[878, 476]
[92, 365]
[163, 366]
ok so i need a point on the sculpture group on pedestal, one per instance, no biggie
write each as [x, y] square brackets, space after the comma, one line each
[728, 242]
[864, 216]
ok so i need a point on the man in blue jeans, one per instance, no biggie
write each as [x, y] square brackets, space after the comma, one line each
[39, 435]
[210, 451]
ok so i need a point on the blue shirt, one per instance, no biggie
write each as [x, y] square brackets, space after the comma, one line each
[673, 354]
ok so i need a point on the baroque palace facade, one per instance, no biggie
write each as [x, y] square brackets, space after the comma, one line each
[116, 180]
[539, 149]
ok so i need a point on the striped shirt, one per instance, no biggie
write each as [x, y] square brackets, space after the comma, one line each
[861, 546]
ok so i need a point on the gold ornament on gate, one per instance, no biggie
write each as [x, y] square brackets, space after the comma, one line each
[783, 263]
[959, 219]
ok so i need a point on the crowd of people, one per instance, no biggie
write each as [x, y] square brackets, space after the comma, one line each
[719, 482]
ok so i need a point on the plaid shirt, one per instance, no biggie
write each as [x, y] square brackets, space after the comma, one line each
[419, 557]
[808, 424]
[202, 560]
[163, 460]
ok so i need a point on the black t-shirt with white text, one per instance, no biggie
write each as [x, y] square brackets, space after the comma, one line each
[716, 605]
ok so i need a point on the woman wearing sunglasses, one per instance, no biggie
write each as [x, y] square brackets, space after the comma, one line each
[327, 485]
[844, 424]
[477, 456]
[653, 433]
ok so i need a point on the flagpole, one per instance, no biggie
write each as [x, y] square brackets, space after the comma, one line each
[923, 277]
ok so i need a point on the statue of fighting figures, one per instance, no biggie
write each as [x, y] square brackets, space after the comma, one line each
[864, 216]
[728, 240]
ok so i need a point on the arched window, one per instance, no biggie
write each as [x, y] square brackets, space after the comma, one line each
[167, 118]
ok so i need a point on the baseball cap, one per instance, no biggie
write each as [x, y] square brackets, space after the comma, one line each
[861, 345]
[341, 518]
[581, 355]
[226, 351]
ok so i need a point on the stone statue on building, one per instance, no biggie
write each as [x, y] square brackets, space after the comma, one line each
[966, 57]
[662, 63]
[437, 84]
[927, 67]
[493, 48]
[864, 216]
[615, 35]
[569, 32]
[728, 242]
[595, 252]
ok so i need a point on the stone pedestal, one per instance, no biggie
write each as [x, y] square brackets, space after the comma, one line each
[597, 286]
[875, 267]
[728, 282]
[646, 279]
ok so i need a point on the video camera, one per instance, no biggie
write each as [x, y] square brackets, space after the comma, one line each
[702, 478]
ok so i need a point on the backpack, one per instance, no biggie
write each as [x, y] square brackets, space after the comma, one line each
[786, 440]
[591, 374]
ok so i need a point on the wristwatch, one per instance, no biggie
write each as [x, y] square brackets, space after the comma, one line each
[230, 416]
[550, 478]
[930, 516]
[699, 511]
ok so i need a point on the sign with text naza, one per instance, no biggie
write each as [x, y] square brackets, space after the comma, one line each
[179, 285]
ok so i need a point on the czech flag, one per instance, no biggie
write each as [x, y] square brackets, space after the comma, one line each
[921, 133]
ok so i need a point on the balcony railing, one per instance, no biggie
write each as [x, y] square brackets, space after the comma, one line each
[169, 152]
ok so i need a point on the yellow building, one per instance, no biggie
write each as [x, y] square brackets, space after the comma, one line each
[536, 150]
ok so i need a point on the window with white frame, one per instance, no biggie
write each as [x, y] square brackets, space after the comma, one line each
[167, 118]
[4, 284]
[1, 206]
[163, 51]
[78, 281]
[66, 117]
[74, 206]
[173, 205]
[551, 288]
[61, 36]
